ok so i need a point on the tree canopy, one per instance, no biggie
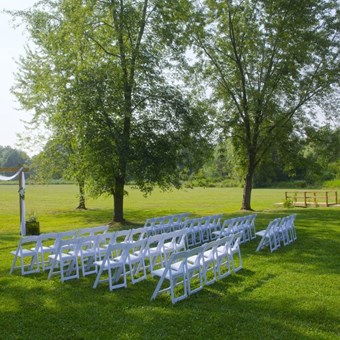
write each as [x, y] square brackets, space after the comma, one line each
[264, 61]
[101, 79]
[108, 80]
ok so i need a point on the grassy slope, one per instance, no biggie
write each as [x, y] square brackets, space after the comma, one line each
[291, 294]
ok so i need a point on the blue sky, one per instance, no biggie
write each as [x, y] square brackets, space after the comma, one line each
[12, 43]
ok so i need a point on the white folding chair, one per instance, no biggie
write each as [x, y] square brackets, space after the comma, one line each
[87, 250]
[65, 260]
[243, 228]
[251, 226]
[269, 236]
[194, 232]
[205, 229]
[112, 267]
[234, 249]
[154, 251]
[215, 227]
[283, 233]
[166, 226]
[47, 247]
[209, 262]
[291, 227]
[169, 244]
[181, 240]
[194, 269]
[222, 256]
[103, 241]
[28, 255]
[136, 260]
[175, 273]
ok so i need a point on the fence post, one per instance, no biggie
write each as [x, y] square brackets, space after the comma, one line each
[305, 198]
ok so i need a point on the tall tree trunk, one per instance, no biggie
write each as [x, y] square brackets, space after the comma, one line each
[118, 198]
[247, 188]
[81, 185]
[248, 184]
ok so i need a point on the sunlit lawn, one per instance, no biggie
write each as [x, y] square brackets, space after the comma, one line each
[293, 293]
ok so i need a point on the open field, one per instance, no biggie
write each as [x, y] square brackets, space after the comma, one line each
[293, 293]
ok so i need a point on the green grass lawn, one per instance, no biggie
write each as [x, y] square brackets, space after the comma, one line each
[293, 293]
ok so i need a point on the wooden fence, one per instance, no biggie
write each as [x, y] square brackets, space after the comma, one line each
[316, 198]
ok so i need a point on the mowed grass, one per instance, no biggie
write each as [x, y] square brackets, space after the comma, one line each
[293, 293]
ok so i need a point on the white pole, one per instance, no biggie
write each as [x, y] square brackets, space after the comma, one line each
[22, 203]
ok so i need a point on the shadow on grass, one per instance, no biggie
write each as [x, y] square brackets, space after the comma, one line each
[275, 296]
[41, 309]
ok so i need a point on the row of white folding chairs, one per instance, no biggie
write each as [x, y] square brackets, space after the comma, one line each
[88, 251]
[208, 263]
[280, 230]
[91, 250]
[166, 223]
[243, 224]
[157, 249]
[202, 229]
[32, 251]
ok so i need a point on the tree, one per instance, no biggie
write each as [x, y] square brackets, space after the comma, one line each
[10, 157]
[103, 72]
[265, 60]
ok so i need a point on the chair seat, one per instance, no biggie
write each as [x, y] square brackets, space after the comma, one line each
[260, 233]
[24, 252]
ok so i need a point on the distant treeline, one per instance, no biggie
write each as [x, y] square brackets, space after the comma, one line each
[311, 159]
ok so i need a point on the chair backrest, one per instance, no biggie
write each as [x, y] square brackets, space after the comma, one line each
[120, 250]
[181, 240]
[32, 242]
[178, 220]
[122, 236]
[154, 242]
[64, 235]
[104, 240]
[224, 243]
[84, 232]
[138, 248]
[197, 254]
[101, 229]
[273, 225]
[68, 246]
[86, 243]
[178, 258]
[169, 238]
[139, 234]
[48, 239]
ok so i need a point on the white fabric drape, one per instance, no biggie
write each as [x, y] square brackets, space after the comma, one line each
[5, 178]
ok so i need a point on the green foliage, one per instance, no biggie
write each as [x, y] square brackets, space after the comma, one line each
[10, 157]
[264, 60]
[32, 217]
[288, 203]
[102, 81]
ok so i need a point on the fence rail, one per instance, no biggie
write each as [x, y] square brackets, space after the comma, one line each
[316, 198]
